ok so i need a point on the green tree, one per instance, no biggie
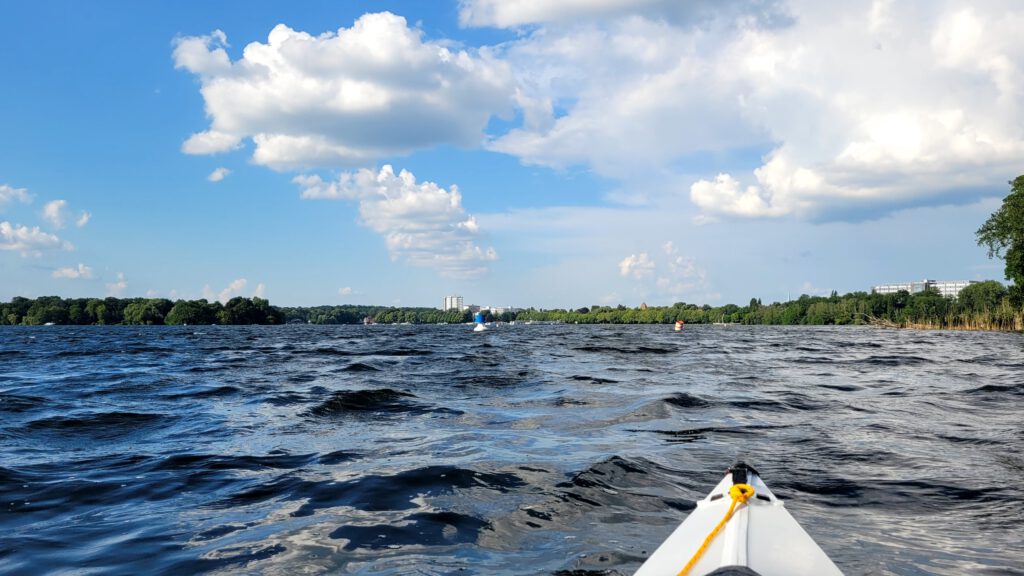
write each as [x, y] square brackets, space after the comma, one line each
[1003, 232]
[113, 311]
[47, 309]
[17, 309]
[194, 312]
[982, 297]
[144, 312]
[239, 310]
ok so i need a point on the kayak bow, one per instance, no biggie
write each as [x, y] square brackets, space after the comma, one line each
[739, 529]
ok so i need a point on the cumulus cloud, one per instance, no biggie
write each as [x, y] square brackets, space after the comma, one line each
[725, 194]
[82, 271]
[680, 275]
[346, 291]
[118, 287]
[766, 108]
[637, 266]
[30, 241]
[10, 194]
[422, 223]
[910, 102]
[860, 109]
[343, 98]
[56, 212]
[235, 288]
[626, 98]
[211, 142]
[218, 174]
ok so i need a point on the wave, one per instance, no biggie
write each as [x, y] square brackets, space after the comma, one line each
[684, 400]
[444, 528]
[99, 425]
[377, 401]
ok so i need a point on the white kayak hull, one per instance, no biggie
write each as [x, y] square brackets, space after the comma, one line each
[761, 536]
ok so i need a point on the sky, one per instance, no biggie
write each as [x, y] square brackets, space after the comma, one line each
[515, 152]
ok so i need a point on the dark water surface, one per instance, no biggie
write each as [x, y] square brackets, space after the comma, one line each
[520, 450]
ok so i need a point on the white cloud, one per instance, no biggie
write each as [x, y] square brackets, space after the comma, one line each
[725, 195]
[204, 55]
[54, 212]
[867, 107]
[800, 109]
[235, 288]
[218, 174]
[510, 13]
[637, 266]
[118, 287]
[9, 194]
[29, 241]
[343, 98]
[57, 214]
[681, 274]
[909, 103]
[211, 142]
[513, 13]
[422, 223]
[346, 291]
[82, 271]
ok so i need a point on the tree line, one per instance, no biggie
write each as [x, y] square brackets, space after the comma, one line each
[356, 314]
[984, 305]
[106, 311]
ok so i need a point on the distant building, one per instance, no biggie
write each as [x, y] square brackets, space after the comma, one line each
[452, 302]
[499, 310]
[948, 288]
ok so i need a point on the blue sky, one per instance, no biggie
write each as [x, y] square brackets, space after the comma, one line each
[520, 153]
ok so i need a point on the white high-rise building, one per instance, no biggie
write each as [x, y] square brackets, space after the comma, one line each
[453, 301]
[949, 288]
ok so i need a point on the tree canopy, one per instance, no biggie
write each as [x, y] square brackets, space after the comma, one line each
[1003, 233]
[983, 305]
[85, 311]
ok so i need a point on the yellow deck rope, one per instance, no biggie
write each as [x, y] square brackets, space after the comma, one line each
[740, 493]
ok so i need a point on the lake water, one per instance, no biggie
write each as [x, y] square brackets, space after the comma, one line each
[525, 449]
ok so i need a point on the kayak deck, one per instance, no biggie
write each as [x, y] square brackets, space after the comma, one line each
[761, 535]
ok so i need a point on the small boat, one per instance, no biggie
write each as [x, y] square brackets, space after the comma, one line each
[739, 529]
[479, 328]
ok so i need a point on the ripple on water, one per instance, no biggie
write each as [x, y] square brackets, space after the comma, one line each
[563, 449]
